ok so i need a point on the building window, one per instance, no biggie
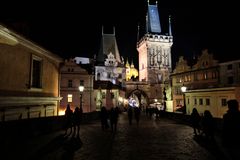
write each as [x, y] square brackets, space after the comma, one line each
[36, 78]
[230, 80]
[214, 75]
[208, 102]
[195, 101]
[229, 67]
[200, 101]
[70, 84]
[188, 101]
[69, 98]
[224, 102]
[205, 75]
[81, 82]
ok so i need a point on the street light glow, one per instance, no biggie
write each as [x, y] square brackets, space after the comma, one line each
[81, 88]
[183, 88]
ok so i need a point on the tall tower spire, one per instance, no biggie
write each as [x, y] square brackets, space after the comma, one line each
[102, 30]
[138, 28]
[170, 26]
[152, 19]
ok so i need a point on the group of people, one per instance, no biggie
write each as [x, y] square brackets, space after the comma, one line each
[111, 116]
[205, 125]
[133, 110]
[73, 120]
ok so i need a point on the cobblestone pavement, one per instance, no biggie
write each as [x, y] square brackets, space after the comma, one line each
[152, 139]
[161, 139]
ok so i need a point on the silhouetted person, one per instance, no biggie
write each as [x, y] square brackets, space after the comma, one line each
[137, 112]
[130, 115]
[208, 125]
[77, 118]
[104, 118]
[68, 119]
[114, 112]
[195, 121]
[231, 124]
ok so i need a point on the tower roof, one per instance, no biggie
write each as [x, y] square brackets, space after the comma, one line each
[153, 21]
[108, 44]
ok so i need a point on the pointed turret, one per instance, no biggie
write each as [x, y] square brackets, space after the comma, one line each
[127, 64]
[170, 26]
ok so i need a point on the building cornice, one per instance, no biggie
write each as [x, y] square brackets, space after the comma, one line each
[17, 39]
[27, 101]
[212, 89]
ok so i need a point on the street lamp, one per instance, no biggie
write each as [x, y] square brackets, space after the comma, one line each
[184, 89]
[81, 89]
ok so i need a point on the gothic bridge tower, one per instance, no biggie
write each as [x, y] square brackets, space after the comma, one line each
[154, 50]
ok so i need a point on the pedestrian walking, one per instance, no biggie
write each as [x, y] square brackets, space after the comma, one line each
[77, 118]
[208, 125]
[137, 112]
[231, 124]
[195, 121]
[104, 118]
[114, 112]
[68, 120]
[130, 115]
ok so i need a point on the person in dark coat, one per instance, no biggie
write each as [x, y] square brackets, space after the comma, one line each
[137, 112]
[114, 112]
[208, 125]
[68, 119]
[195, 121]
[231, 124]
[130, 114]
[77, 118]
[104, 118]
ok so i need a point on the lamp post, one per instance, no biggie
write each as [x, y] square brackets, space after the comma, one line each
[183, 89]
[81, 89]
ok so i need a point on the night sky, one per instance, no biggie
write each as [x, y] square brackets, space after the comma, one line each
[74, 28]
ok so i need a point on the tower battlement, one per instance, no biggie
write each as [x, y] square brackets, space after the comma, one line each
[155, 38]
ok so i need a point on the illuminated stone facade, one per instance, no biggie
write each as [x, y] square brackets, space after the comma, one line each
[131, 71]
[29, 83]
[72, 76]
[154, 50]
[209, 84]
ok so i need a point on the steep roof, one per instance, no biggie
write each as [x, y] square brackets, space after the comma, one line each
[108, 44]
[153, 21]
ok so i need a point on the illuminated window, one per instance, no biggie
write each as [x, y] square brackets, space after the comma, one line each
[205, 75]
[69, 97]
[224, 102]
[36, 74]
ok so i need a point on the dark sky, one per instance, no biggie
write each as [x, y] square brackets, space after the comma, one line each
[73, 28]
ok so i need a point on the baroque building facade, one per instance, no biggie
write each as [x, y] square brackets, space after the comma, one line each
[29, 83]
[210, 84]
[110, 73]
[73, 75]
